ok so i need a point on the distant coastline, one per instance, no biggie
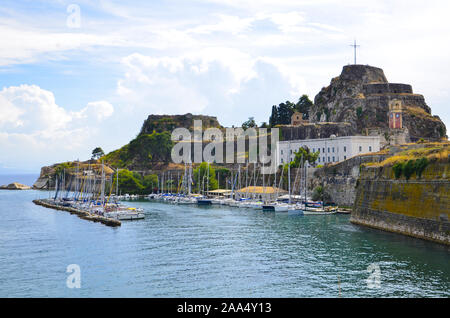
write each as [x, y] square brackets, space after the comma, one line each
[23, 178]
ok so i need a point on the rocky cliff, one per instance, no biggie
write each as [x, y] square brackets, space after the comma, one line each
[71, 170]
[161, 123]
[361, 95]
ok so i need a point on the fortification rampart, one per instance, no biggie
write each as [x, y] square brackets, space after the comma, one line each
[387, 88]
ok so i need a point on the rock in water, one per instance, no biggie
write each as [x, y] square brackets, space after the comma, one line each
[15, 186]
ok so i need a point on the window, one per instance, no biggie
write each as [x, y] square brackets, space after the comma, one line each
[360, 148]
[281, 151]
[328, 159]
[323, 159]
[333, 158]
[328, 149]
[323, 149]
[345, 157]
[314, 149]
[281, 160]
[370, 148]
[333, 149]
[345, 149]
[291, 151]
[318, 159]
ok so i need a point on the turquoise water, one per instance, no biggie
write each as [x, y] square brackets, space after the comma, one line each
[180, 251]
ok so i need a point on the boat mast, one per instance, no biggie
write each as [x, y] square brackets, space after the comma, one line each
[117, 182]
[190, 179]
[102, 198]
[207, 180]
[289, 171]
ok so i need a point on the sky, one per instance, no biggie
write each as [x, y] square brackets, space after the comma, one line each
[75, 75]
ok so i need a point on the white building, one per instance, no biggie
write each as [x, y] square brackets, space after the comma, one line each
[331, 150]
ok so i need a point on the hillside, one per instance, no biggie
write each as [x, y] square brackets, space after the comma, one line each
[360, 95]
[153, 145]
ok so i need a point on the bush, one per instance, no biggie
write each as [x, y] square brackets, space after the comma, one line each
[420, 165]
[410, 167]
[398, 170]
[317, 193]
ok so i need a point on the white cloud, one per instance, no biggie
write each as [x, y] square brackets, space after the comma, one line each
[226, 58]
[223, 85]
[33, 126]
[98, 110]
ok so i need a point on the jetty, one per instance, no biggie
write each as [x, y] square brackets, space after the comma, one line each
[82, 214]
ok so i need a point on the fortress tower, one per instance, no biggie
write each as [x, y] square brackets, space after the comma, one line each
[395, 114]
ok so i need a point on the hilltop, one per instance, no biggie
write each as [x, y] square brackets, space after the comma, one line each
[360, 96]
[153, 145]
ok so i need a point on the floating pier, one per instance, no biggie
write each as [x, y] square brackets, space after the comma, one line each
[85, 215]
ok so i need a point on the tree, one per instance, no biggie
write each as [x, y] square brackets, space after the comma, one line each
[303, 106]
[201, 173]
[150, 182]
[250, 123]
[273, 120]
[97, 153]
[303, 154]
[130, 182]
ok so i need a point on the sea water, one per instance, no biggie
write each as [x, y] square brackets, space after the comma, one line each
[190, 251]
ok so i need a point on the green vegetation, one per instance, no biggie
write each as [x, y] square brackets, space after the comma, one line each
[410, 167]
[320, 194]
[317, 193]
[146, 149]
[222, 174]
[133, 183]
[97, 153]
[359, 112]
[66, 166]
[207, 179]
[302, 155]
[281, 114]
[250, 123]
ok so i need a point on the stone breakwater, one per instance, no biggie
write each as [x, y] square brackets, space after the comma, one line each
[85, 215]
[416, 207]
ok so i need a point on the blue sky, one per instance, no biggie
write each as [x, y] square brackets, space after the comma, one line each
[65, 90]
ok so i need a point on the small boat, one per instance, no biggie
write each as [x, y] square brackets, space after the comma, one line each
[125, 215]
[318, 211]
[204, 201]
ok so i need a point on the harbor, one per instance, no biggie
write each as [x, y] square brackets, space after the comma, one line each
[190, 250]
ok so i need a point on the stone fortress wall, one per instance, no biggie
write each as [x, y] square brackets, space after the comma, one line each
[387, 88]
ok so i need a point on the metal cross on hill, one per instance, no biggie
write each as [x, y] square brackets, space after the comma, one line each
[355, 46]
